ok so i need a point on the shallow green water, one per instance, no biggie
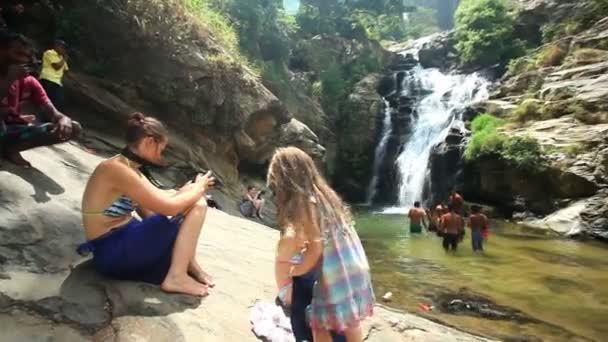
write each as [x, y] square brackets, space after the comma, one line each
[561, 285]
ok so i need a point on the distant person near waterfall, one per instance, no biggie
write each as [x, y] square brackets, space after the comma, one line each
[478, 222]
[452, 227]
[417, 217]
[457, 202]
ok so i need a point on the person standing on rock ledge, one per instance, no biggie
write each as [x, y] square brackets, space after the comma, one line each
[54, 66]
[20, 132]
[161, 248]
[342, 295]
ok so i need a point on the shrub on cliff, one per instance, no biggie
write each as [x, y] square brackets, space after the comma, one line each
[484, 33]
[487, 143]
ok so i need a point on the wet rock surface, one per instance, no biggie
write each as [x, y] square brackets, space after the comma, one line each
[465, 303]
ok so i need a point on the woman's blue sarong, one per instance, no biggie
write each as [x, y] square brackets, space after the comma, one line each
[137, 251]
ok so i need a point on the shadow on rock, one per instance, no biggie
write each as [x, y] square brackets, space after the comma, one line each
[121, 298]
[43, 184]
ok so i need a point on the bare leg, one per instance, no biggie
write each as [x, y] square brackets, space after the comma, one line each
[321, 335]
[12, 150]
[195, 270]
[354, 334]
[178, 280]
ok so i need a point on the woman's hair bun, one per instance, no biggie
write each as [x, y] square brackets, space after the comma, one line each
[136, 119]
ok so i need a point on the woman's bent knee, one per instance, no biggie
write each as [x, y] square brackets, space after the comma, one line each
[199, 208]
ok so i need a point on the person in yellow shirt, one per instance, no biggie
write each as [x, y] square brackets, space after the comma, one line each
[54, 66]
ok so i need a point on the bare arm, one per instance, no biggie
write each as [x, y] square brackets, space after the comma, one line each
[51, 113]
[315, 247]
[58, 65]
[152, 199]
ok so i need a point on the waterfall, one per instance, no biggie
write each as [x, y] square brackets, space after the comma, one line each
[380, 152]
[446, 96]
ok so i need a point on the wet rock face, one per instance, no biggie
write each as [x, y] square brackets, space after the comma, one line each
[470, 304]
[440, 52]
[402, 91]
[595, 216]
[446, 164]
[175, 70]
[358, 139]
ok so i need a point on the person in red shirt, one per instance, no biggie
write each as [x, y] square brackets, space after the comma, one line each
[18, 131]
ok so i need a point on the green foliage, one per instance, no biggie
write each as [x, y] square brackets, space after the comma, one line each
[569, 150]
[214, 19]
[564, 28]
[484, 33]
[519, 66]
[586, 56]
[275, 77]
[379, 27]
[334, 88]
[586, 15]
[551, 55]
[487, 142]
[528, 110]
[264, 29]
[422, 22]
[524, 153]
[377, 20]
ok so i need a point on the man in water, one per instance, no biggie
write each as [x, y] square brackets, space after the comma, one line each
[452, 226]
[457, 202]
[20, 132]
[477, 222]
[417, 217]
[54, 66]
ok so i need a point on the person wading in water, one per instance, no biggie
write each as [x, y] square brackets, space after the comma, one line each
[452, 225]
[417, 217]
[457, 202]
[477, 222]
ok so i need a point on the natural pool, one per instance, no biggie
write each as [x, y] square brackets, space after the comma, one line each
[552, 288]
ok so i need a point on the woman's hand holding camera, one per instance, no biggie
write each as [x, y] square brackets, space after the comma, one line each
[206, 181]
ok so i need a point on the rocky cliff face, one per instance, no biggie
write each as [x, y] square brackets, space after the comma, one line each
[156, 58]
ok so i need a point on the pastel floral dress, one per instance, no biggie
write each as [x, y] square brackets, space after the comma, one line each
[343, 296]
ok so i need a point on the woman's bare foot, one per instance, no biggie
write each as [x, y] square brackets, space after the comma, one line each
[184, 284]
[17, 159]
[203, 278]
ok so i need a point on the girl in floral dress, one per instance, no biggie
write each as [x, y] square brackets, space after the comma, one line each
[343, 295]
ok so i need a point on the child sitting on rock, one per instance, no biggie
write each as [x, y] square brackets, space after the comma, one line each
[289, 253]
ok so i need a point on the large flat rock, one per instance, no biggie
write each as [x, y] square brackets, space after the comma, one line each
[49, 293]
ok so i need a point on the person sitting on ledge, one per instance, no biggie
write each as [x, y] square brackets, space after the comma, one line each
[161, 248]
[252, 203]
[19, 132]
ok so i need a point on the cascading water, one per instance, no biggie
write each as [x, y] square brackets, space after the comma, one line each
[380, 151]
[448, 95]
[419, 111]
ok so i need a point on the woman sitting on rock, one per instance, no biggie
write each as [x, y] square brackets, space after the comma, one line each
[160, 248]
